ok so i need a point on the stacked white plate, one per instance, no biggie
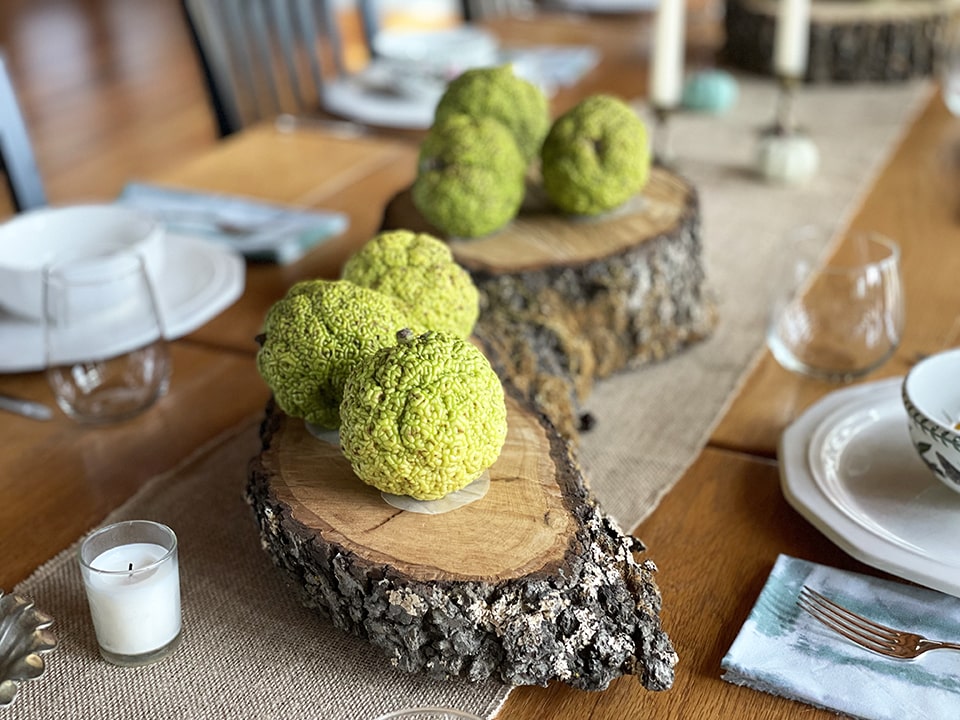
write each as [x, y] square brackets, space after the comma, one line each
[194, 279]
[848, 466]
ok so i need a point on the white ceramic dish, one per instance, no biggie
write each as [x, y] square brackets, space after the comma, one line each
[404, 83]
[848, 466]
[443, 53]
[931, 398]
[33, 239]
[199, 279]
[372, 101]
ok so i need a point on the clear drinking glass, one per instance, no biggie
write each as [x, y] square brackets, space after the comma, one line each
[107, 359]
[840, 320]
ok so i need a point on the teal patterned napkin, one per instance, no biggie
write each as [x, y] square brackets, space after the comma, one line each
[784, 651]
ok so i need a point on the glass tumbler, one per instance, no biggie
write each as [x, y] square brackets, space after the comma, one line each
[840, 320]
[107, 359]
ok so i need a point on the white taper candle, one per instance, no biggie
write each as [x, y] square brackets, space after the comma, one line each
[792, 38]
[666, 68]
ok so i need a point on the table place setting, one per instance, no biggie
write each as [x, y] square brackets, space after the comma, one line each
[784, 649]
[874, 467]
[409, 70]
[182, 280]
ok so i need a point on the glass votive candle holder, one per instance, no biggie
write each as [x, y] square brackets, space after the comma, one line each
[132, 578]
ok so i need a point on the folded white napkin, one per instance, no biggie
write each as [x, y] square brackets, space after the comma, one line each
[259, 231]
[783, 651]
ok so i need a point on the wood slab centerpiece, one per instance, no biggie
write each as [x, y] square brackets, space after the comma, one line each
[850, 40]
[532, 583]
[448, 522]
[567, 301]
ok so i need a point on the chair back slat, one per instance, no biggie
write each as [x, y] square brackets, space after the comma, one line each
[17, 160]
[263, 58]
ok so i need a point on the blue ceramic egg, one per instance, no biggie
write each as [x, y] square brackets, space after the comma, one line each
[712, 91]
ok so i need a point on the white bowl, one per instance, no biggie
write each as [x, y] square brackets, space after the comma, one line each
[931, 396]
[32, 240]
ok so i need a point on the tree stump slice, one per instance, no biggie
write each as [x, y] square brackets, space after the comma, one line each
[850, 41]
[530, 584]
[566, 301]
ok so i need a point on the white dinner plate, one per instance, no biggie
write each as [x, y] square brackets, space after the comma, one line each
[198, 281]
[848, 466]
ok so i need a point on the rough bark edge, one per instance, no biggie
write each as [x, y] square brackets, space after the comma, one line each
[554, 331]
[591, 621]
[872, 50]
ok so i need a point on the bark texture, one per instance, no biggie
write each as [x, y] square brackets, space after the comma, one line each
[590, 620]
[555, 322]
[882, 41]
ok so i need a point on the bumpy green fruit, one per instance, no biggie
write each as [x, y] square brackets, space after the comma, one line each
[423, 418]
[595, 157]
[314, 336]
[419, 270]
[498, 93]
[470, 176]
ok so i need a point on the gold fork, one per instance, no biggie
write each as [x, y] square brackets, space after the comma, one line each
[867, 633]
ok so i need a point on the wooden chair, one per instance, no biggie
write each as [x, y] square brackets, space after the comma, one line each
[16, 152]
[263, 58]
[474, 10]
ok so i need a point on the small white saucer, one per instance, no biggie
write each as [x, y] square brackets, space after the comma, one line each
[199, 280]
[847, 465]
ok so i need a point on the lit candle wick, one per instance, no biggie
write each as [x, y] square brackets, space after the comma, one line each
[130, 567]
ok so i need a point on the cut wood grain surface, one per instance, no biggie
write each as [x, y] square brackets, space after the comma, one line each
[530, 584]
[524, 509]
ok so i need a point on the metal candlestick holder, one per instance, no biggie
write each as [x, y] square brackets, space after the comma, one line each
[785, 121]
[662, 149]
[786, 153]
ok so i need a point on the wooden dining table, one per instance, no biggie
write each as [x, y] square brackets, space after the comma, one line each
[715, 535]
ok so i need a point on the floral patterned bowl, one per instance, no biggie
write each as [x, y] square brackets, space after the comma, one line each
[931, 396]
[24, 636]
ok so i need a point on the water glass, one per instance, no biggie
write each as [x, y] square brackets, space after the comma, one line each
[107, 359]
[840, 320]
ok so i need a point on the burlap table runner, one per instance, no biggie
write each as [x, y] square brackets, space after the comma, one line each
[653, 423]
[251, 651]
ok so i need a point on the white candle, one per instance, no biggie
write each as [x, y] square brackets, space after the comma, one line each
[792, 38]
[666, 68]
[135, 601]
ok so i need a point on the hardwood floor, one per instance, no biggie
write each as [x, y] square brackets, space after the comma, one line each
[111, 90]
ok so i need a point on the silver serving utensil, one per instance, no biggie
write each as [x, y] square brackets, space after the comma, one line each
[25, 635]
[27, 408]
[865, 632]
